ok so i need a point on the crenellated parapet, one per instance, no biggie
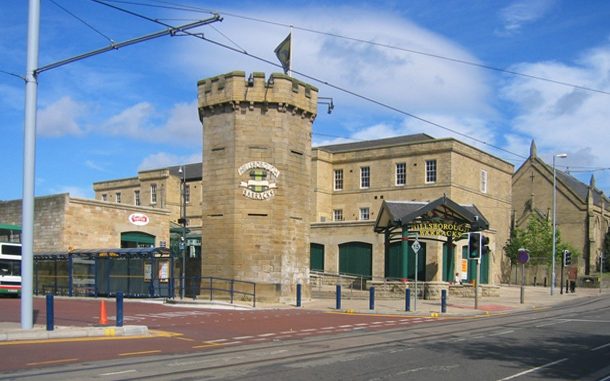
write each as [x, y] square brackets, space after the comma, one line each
[233, 91]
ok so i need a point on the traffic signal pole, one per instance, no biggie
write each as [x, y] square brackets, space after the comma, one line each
[563, 263]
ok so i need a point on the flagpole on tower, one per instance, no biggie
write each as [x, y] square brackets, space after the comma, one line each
[290, 59]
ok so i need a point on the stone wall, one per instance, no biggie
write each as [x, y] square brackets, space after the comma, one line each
[62, 223]
[262, 125]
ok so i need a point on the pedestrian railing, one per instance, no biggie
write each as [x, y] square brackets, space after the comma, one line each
[215, 288]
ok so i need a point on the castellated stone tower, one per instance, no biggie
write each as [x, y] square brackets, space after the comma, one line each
[257, 176]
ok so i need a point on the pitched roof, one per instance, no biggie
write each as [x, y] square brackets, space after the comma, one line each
[378, 143]
[398, 213]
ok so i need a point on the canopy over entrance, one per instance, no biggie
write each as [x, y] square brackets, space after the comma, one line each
[442, 217]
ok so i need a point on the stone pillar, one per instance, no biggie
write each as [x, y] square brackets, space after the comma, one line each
[257, 174]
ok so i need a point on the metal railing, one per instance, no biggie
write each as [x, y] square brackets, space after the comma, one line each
[221, 289]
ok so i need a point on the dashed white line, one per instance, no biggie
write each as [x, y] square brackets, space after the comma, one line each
[600, 347]
[121, 372]
[243, 337]
[532, 370]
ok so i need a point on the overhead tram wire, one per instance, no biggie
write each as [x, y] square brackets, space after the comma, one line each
[326, 83]
[382, 45]
[83, 21]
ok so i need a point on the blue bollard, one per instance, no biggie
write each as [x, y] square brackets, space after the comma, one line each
[372, 298]
[299, 294]
[119, 309]
[50, 312]
[443, 301]
[408, 299]
[338, 296]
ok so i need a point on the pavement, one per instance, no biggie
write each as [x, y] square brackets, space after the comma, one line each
[508, 301]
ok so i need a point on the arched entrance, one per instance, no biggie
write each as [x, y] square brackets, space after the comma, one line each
[137, 239]
[356, 258]
[394, 262]
[443, 220]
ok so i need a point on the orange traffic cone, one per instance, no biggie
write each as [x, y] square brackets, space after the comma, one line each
[103, 316]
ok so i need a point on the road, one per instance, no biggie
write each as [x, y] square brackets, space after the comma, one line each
[570, 342]
[176, 330]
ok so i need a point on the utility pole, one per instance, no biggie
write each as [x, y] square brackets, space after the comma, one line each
[29, 140]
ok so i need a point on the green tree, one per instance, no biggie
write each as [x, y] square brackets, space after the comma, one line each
[537, 238]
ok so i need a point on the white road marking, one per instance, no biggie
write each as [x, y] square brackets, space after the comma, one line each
[600, 347]
[532, 370]
[121, 372]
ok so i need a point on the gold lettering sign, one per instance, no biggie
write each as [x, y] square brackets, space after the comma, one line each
[447, 229]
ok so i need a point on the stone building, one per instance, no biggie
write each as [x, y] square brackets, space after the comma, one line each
[583, 211]
[257, 175]
[352, 180]
[63, 223]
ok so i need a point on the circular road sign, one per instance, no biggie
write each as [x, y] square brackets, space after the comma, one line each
[523, 256]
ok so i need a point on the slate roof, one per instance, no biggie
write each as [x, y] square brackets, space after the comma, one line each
[192, 171]
[378, 143]
[397, 213]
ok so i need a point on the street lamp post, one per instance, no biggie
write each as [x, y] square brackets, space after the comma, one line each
[561, 156]
[183, 235]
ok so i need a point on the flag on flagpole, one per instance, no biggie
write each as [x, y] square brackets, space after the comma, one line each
[283, 53]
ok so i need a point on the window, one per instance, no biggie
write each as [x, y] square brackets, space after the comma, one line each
[365, 213]
[483, 181]
[365, 177]
[187, 193]
[118, 197]
[104, 197]
[430, 171]
[153, 193]
[338, 215]
[401, 173]
[338, 179]
[136, 198]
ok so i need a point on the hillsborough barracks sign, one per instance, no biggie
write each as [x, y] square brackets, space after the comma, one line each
[447, 229]
[262, 178]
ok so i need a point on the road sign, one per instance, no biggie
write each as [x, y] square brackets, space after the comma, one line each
[416, 246]
[523, 256]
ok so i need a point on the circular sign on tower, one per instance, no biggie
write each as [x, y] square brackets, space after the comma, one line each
[261, 183]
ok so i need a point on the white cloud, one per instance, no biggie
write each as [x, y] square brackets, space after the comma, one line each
[523, 12]
[140, 121]
[164, 159]
[61, 118]
[401, 79]
[565, 119]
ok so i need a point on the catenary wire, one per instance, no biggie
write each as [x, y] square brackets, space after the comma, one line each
[321, 81]
[378, 44]
[82, 21]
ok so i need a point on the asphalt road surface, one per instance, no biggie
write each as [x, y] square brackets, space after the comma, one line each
[570, 342]
[176, 330]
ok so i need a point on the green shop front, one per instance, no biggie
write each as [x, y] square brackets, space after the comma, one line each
[415, 233]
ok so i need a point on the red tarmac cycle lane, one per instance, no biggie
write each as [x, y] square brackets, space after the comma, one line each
[185, 329]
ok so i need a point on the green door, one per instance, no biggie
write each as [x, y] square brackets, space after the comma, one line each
[316, 257]
[448, 263]
[393, 261]
[356, 258]
[137, 239]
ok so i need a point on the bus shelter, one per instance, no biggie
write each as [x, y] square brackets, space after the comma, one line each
[137, 272]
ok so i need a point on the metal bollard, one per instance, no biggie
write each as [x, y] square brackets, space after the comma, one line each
[372, 298]
[119, 309]
[299, 286]
[338, 297]
[50, 312]
[443, 301]
[408, 299]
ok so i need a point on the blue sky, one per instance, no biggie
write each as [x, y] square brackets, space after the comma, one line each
[109, 116]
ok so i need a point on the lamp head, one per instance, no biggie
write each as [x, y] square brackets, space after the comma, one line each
[561, 155]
